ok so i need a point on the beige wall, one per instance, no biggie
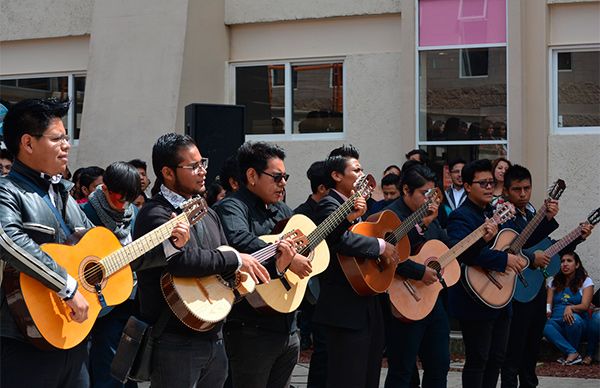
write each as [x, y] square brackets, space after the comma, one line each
[33, 19]
[255, 11]
[575, 23]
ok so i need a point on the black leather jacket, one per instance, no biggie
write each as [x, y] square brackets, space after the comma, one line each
[26, 222]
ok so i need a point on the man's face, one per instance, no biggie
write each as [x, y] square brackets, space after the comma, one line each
[519, 193]
[50, 151]
[143, 178]
[345, 182]
[390, 192]
[189, 175]
[5, 166]
[270, 183]
[455, 174]
[482, 189]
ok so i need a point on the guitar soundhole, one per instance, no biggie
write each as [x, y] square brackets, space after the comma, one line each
[435, 265]
[93, 273]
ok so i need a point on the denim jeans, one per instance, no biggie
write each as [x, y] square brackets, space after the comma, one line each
[593, 334]
[564, 336]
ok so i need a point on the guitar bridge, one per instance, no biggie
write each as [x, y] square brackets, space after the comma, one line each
[411, 290]
[493, 280]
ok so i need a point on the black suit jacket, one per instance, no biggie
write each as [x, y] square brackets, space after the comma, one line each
[338, 303]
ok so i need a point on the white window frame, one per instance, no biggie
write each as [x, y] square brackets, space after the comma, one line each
[70, 92]
[288, 122]
[553, 82]
[419, 49]
[461, 66]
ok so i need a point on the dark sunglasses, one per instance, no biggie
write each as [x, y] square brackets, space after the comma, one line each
[278, 177]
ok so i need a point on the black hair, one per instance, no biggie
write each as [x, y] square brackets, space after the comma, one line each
[256, 155]
[424, 156]
[454, 162]
[316, 175]
[391, 167]
[31, 117]
[560, 281]
[392, 179]
[410, 164]
[213, 190]
[470, 169]
[123, 178]
[346, 151]
[89, 175]
[516, 173]
[230, 169]
[416, 177]
[138, 163]
[165, 153]
[5, 154]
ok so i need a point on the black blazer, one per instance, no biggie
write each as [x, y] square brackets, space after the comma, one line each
[338, 304]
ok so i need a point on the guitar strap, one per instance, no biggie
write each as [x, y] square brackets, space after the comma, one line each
[45, 196]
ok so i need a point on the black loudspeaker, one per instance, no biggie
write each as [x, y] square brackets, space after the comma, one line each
[218, 130]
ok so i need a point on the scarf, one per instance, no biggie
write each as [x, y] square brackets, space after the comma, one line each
[117, 222]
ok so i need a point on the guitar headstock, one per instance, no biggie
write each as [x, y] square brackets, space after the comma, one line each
[504, 212]
[557, 189]
[594, 217]
[194, 208]
[365, 185]
[433, 195]
[298, 239]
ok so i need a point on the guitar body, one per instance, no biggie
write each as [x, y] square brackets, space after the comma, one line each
[374, 276]
[413, 300]
[492, 288]
[43, 317]
[274, 296]
[535, 277]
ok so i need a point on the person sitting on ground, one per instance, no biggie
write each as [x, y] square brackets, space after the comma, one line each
[569, 296]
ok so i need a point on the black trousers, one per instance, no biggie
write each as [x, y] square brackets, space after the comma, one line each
[317, 372]
[485, 348]
[526, 332]
[24, 365]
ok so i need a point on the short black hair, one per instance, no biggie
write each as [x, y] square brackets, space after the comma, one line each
[123, 178]
[392, 179]
[5, 154]
[422, 153]
[392, 166]
[417, 176]
[256, 155]
[165, 153]
[516, 173]
[316, 175]
[230, 169]
[31, 117]
[138, 163]
[89, 175]
[470, 169]
[347, 151]
[334, 163]
[454, 162]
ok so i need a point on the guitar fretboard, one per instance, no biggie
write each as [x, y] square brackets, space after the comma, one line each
[408, 223]
[518, 243]
[461, 246]
[563, 242]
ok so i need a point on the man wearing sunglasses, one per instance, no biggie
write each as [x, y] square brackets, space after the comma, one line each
[111, 205]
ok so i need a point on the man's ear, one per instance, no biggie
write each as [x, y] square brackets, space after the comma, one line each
[251, 176]
[168, 174]
[26, 143]
[337, 176]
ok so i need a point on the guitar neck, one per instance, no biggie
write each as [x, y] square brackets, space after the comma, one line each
[408, 223]
[122, 257]
[265, 253]
[522, 238]
[563, 242]
[462, 246]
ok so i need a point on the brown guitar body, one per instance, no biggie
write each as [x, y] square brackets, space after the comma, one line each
[374, 276]
[413, 300]
[494, 289]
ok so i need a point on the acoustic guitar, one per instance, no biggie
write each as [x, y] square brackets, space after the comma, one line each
[101, 267]
[200, 303]
[374, 276]
[496, 289]
[535, 277]
[413, 300]
[284, 295]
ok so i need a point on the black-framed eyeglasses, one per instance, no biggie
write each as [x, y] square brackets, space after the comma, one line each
[486, 183]
[196, 167]
[278, 177]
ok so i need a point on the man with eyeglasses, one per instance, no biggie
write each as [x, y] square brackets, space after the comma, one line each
[484, 329]
[36, 208]
[263, 348]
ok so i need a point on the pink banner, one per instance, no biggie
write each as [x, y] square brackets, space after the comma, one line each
[461, 22]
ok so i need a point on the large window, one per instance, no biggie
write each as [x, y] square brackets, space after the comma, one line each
[15, 89]
[462, 93]
[576, 90]
[291, 99]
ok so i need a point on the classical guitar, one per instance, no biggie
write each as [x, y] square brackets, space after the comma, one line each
[535, 277]
[285, 294]
[413, 300]
[496, 289]
[374, 276]
[101, 267]
[200, 303]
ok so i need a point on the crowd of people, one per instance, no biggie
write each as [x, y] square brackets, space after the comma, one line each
[40, 202]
